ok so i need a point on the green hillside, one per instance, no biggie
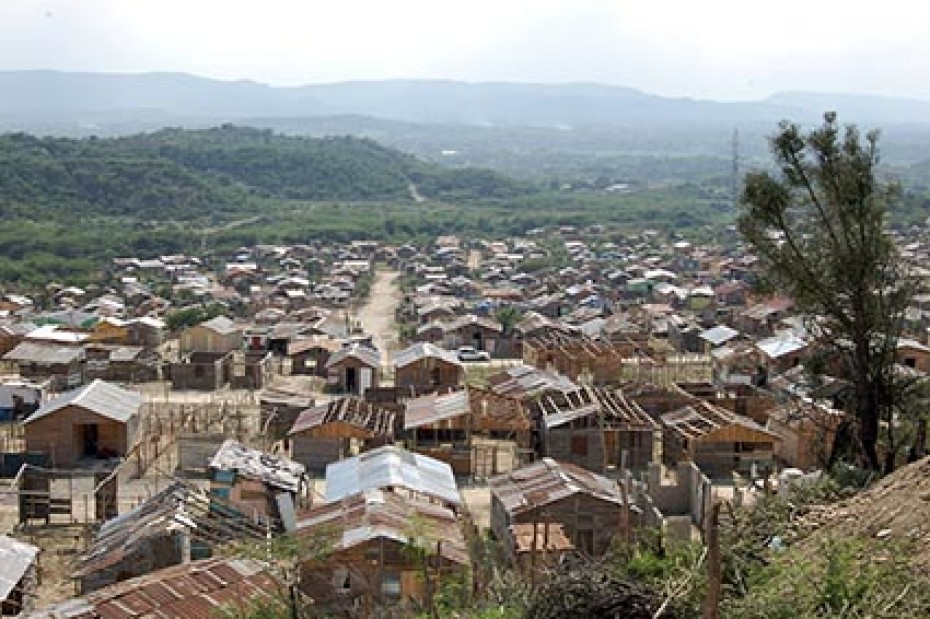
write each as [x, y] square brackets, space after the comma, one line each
[177, 174]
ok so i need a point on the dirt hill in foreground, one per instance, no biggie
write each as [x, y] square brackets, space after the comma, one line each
[896, 509]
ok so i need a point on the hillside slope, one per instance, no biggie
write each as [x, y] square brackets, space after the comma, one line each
[184, 174]
[896, 509]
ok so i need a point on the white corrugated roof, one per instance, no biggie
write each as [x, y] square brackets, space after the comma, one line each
[100, 397]
[391, 466]
[15, 559]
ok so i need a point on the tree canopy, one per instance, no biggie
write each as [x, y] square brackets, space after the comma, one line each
[818, 225]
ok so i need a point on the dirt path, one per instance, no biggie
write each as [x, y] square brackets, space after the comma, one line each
[415, 194]
[377, 315]
[474, 259]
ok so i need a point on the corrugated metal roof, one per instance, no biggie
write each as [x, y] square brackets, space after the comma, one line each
[44, 354]
[179, 506]
[718, 335]
[196, 589]
[470, 320]
[99, 397]
[526, 381]
[367, 355]
[703, 418]
[221, 325]
[423, 350]
[354, 411]
[781, 345]
[387, 467]
[433, 407]
[15, 559]
[547, 481]
[612, 408]
[255, 464]
[378, 513]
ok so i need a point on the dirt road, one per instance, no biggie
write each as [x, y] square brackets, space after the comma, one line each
[377, 315]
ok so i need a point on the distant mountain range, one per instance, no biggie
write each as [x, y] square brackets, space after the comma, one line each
[81, 103]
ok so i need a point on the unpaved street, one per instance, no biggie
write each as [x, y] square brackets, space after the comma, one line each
[377, 315]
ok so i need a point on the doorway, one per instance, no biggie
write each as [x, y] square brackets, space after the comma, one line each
[90, 438]
[351, 379]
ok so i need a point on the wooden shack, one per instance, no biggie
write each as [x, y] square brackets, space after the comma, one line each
[423, 367]
[369, 561]
[265, 487]
[353, 369]
[128, 364]
[718, 441]
[99, 420]
[62, 365]
[251, 370]
[176, 525]
[439, 425]
[501, 417]
[217, 335]
[538, 547]
[478, 331]
[332, 431]
[588, 506]
[596, 428]
[309, 355]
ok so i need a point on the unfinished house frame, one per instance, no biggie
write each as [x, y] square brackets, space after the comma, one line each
[744, 400]
[578, 357]
[279, 409]
[56, 496]
[597, 429]
[717, 441]
[339, 429]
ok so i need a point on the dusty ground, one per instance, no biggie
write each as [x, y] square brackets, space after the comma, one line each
[377, 314]
[896, 510]
[61, 543]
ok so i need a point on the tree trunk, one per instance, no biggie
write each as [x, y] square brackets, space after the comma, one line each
[868, 434]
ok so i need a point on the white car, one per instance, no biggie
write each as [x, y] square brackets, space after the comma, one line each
[470, 353]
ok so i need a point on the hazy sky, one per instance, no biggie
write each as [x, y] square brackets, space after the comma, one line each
[730, 49]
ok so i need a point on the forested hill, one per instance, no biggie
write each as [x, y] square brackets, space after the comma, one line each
[186, 174]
